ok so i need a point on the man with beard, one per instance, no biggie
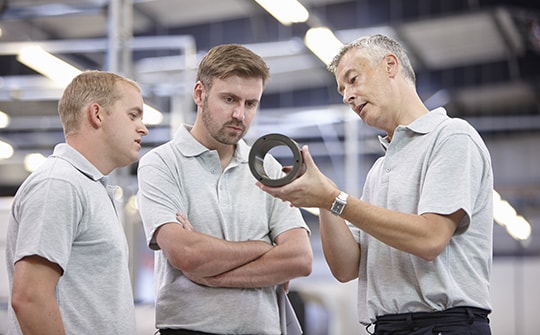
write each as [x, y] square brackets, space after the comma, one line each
[224, 247]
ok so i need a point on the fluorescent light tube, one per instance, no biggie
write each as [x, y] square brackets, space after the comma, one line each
[285, 11]
[323, 43]
[63, 73]
[4, 120]
[48, 65]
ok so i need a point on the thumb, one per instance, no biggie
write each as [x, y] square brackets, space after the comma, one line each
[306, 156]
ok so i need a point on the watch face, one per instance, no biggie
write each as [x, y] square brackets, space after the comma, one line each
[337, 206]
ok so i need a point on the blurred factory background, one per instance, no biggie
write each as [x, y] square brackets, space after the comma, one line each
[478, 58]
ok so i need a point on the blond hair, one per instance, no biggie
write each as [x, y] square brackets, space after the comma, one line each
[89, 87]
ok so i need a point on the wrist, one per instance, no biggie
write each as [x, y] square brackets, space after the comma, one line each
[339, 203]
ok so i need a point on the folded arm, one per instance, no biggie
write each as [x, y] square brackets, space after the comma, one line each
[290, 258]
[202, 255]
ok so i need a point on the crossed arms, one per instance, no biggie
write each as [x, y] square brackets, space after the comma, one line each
[215, 262]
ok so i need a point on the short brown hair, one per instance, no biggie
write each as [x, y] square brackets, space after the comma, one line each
[225, 60]
[86, 88]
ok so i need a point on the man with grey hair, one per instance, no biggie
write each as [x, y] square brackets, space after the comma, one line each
[419, 240]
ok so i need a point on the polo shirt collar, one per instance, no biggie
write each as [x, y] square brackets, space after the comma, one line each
[190, 147]
[78, 161]
[428, 122]
[423, 125]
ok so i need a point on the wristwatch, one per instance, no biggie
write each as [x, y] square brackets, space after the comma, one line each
[339, 203]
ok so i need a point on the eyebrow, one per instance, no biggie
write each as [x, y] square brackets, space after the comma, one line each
[236, 97]
[138, 110]
[256, 101]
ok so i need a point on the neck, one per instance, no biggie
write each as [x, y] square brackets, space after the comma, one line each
[225, 151]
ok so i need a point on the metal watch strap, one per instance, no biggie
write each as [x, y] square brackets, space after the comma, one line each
[339, 203]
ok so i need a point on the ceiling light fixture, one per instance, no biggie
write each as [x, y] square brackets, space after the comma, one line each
[285, 11]
[63, 73]
[33, 161]
[505, 215]
[323, 43]
[48, 65]
[6, 150]
[152, 116]
[4, 120]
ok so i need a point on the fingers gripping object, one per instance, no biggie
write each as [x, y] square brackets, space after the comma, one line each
[259, 150]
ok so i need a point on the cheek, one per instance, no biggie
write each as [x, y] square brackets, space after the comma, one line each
[249, 116]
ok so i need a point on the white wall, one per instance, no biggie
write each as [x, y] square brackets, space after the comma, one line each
[516, 296]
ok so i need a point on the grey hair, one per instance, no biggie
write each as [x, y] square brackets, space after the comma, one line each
[377, 46]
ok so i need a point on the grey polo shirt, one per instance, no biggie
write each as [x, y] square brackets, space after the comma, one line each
[433, 165]
[65, 212]
[184, 176]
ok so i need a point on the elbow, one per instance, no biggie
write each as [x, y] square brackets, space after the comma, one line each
[181, 265]
[301, 265]
[344, 274]
[20, 300]
[429, 256]
[305, 266]
[185, 261]
[17, 303]
[343, 277]
[430, 251]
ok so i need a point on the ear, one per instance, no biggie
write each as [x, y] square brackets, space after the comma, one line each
[198, 93]
[94, 114]
[391, 65]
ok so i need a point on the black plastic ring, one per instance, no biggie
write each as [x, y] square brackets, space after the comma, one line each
[259, 150]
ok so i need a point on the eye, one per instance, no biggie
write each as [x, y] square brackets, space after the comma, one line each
[251, 104]
[135, 115]
[229, 99]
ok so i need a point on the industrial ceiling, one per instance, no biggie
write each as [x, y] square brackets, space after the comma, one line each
[478, 58]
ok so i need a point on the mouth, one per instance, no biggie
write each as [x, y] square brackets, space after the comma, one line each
[360, 108]
[236, 127]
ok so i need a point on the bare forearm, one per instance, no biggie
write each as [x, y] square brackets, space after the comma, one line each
[33, 296]
[284, 262]
[422, 235]
[220, 256]
[263, 272]
[204, 255]
[37, 319]
[341, 251]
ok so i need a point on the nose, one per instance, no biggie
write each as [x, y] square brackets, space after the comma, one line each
[143, 130]
[239, 113]
[348, 98]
